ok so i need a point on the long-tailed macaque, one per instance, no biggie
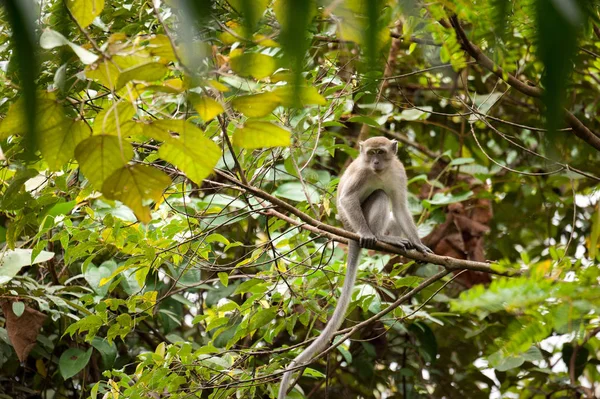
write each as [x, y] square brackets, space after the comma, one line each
[372, 202]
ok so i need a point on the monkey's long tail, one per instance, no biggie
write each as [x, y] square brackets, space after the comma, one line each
[336, 320]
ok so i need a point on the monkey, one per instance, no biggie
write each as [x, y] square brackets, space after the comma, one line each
[372, 202]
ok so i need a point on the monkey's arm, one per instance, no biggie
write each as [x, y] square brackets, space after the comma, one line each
[354, 216]
[404, 223]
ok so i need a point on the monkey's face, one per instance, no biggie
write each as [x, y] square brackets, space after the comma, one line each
[378, 158]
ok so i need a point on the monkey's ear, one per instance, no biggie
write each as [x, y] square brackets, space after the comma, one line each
[360, 145]
[394, 146]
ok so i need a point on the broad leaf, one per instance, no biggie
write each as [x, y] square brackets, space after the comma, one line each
[299, 96]
[85, 11]
[12, 260]
[72, 361]
[58, 145]
[206, 107]
[112, 118]
[51, 39]
[99, 156]
[193, 153]
[149, 72]
[134, 186]
[256, 65]
[256, 134]
[256, 105]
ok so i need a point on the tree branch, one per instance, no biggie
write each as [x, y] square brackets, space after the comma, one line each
[580, 130]
[343, 236]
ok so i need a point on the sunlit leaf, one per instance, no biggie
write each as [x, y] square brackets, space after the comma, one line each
[135, 185]
[111, 119]
[193, 153]
[58, 145]
[146, 72]
[256, 65]
[255, 134]
[84, 11]
[207, 107]
[256, 105]
[99, 156]
[299, 96]
[105, 72]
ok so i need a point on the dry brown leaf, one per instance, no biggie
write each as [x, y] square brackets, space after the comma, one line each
[23, 330]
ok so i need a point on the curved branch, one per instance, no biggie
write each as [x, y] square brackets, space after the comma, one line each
[342, 235]
[580, 130]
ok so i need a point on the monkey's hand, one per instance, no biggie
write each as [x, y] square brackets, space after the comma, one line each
[367, 240]
[396, 241]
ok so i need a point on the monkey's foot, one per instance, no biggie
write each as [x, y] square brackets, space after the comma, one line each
[396, 241]
[422, 248]
[367, 242]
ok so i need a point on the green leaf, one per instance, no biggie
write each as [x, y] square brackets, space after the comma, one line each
[223, 278]
[308, 372]
[100, 156]
[72, 361]
[18, 308]
[263, 317]
[207, 108]
[108, 351]
[12, 260]
[58, 145]
[256, 65]
[255, 134]
[94, 276]
[149, 72]
[134, 186]
[501, 363]
[295, 18]
[85, 11]
[295, 191]
[594, 241]
[256, 105]
[559, 24]
[300, 96]
[251, 12]
[409, 281]
[51, 39]
[445, 199]
[24, 48]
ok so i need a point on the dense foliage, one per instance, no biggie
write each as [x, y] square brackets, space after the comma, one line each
[168, 176]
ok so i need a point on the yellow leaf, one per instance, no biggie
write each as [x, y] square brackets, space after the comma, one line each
[58, 145]
[256, 65]
[257, 134]
[206, 107]
[99, 156]
[167, 129]
[192, 153]
[84, 11]
[110, 120]
[160, 46]
[14, 123]
[218, 86]
[291, 96]
[256, 105]
[134, 185]
[149, 72]
[105, 72]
